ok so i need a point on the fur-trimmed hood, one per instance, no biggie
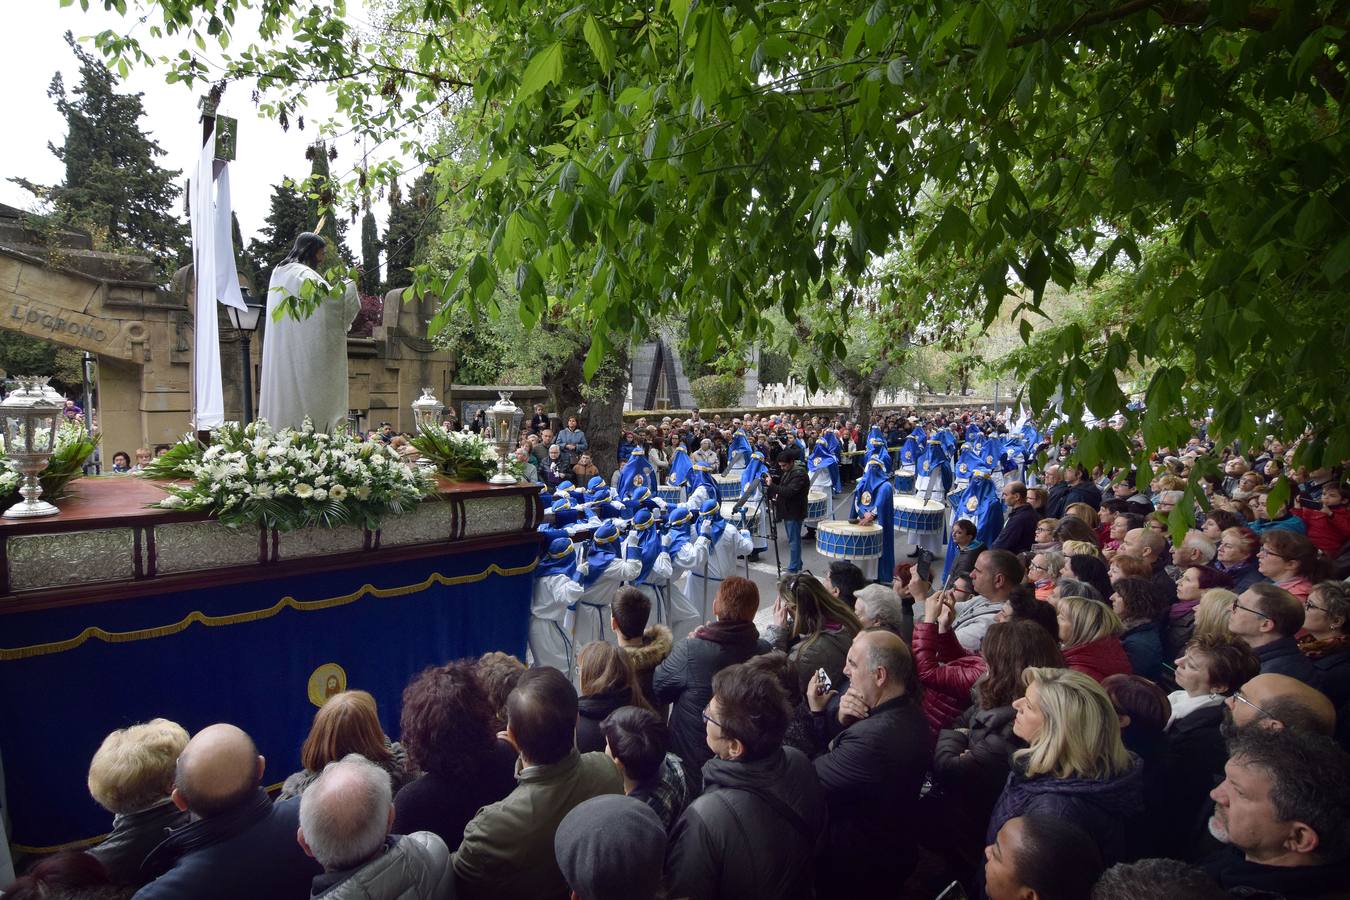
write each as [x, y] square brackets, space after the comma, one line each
[656, 644]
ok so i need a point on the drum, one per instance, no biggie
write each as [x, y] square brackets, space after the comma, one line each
[751, 510]
[817, 506]
[671, 494]
[904, 481]
[837, 539]
[917, 514]
[728, 487]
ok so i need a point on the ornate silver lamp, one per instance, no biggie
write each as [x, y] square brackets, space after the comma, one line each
[505, 416]
[30, 416]
[427, 409]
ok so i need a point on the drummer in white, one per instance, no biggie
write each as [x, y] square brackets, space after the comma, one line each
[725, 543]
[553, 608]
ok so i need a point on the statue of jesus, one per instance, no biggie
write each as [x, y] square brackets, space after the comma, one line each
[304, 364]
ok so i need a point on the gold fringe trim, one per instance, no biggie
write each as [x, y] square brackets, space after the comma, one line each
[366, 590]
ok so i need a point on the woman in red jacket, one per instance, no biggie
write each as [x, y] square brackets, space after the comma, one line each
[947, 670]
[1089, 633]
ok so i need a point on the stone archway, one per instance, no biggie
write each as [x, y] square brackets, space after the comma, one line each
[54, 287]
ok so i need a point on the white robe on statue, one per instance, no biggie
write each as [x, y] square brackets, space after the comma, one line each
[304, 363]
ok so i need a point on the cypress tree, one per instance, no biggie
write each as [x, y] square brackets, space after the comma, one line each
[113, 188]
[370, 254]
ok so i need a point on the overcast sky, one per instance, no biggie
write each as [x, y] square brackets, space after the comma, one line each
[32, 49]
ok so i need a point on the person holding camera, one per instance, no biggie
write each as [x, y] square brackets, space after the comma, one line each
[787, 491]
[874, 767]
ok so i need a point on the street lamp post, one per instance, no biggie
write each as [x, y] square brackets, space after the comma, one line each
[245, 321]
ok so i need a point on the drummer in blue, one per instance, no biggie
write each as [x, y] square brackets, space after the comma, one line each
[874, 503]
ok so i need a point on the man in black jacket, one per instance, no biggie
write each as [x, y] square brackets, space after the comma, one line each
[874, 768]
[239, 844]
[756, 828]
[787, 491]
[1283, 809]
[1019, 528]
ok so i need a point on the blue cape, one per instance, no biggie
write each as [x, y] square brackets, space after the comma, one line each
[754, 470]
[876, 447]
[712, 512]
[680, 524]
[874, 476]
[910, 451]
[821, 457]
[740, 444]
[981, 503]
[558, 559]
[603, 548]
[702, 475]
[649, 543]
[637, 471]
[948, 441]
[831, 439]
[680, 464]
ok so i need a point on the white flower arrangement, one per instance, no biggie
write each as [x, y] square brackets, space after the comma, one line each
[288, 479]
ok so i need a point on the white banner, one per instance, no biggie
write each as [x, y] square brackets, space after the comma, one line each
[216, 278]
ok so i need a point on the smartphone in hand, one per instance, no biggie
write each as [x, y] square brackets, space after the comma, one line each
[823, 683]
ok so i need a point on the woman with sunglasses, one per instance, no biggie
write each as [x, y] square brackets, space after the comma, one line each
[1291, 561]
[1326, 619]
[813, 627]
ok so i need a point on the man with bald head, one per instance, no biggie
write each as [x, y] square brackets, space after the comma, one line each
[873, 770]
[238, 843]
[1151, 547]
[1278, 701]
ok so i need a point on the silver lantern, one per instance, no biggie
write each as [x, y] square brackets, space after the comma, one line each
[505, 416]
[30, 416]
[427, 409]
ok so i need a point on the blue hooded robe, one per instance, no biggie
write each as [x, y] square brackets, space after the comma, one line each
[875, 494]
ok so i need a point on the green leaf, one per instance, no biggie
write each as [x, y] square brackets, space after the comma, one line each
[556, 150]
[895, 70]
[1337, 261]
[600, 42]
[712, 55]
[544, 68]
[594, 357]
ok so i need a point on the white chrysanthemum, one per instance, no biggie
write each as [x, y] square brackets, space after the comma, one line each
[363, 492]
[303, 490]
[320, 494]
[337, 492]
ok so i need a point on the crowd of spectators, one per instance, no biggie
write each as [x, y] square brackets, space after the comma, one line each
[1102, 705]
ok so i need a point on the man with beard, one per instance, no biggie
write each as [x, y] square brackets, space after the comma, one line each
[1283, 810]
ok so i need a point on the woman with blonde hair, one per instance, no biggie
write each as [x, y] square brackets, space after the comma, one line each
[608, 681]
[1089, 634]
[1213, 612]
[1075, 766]
[348, 722]
[1083, 511]
[131, 776]
[1079, 548]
